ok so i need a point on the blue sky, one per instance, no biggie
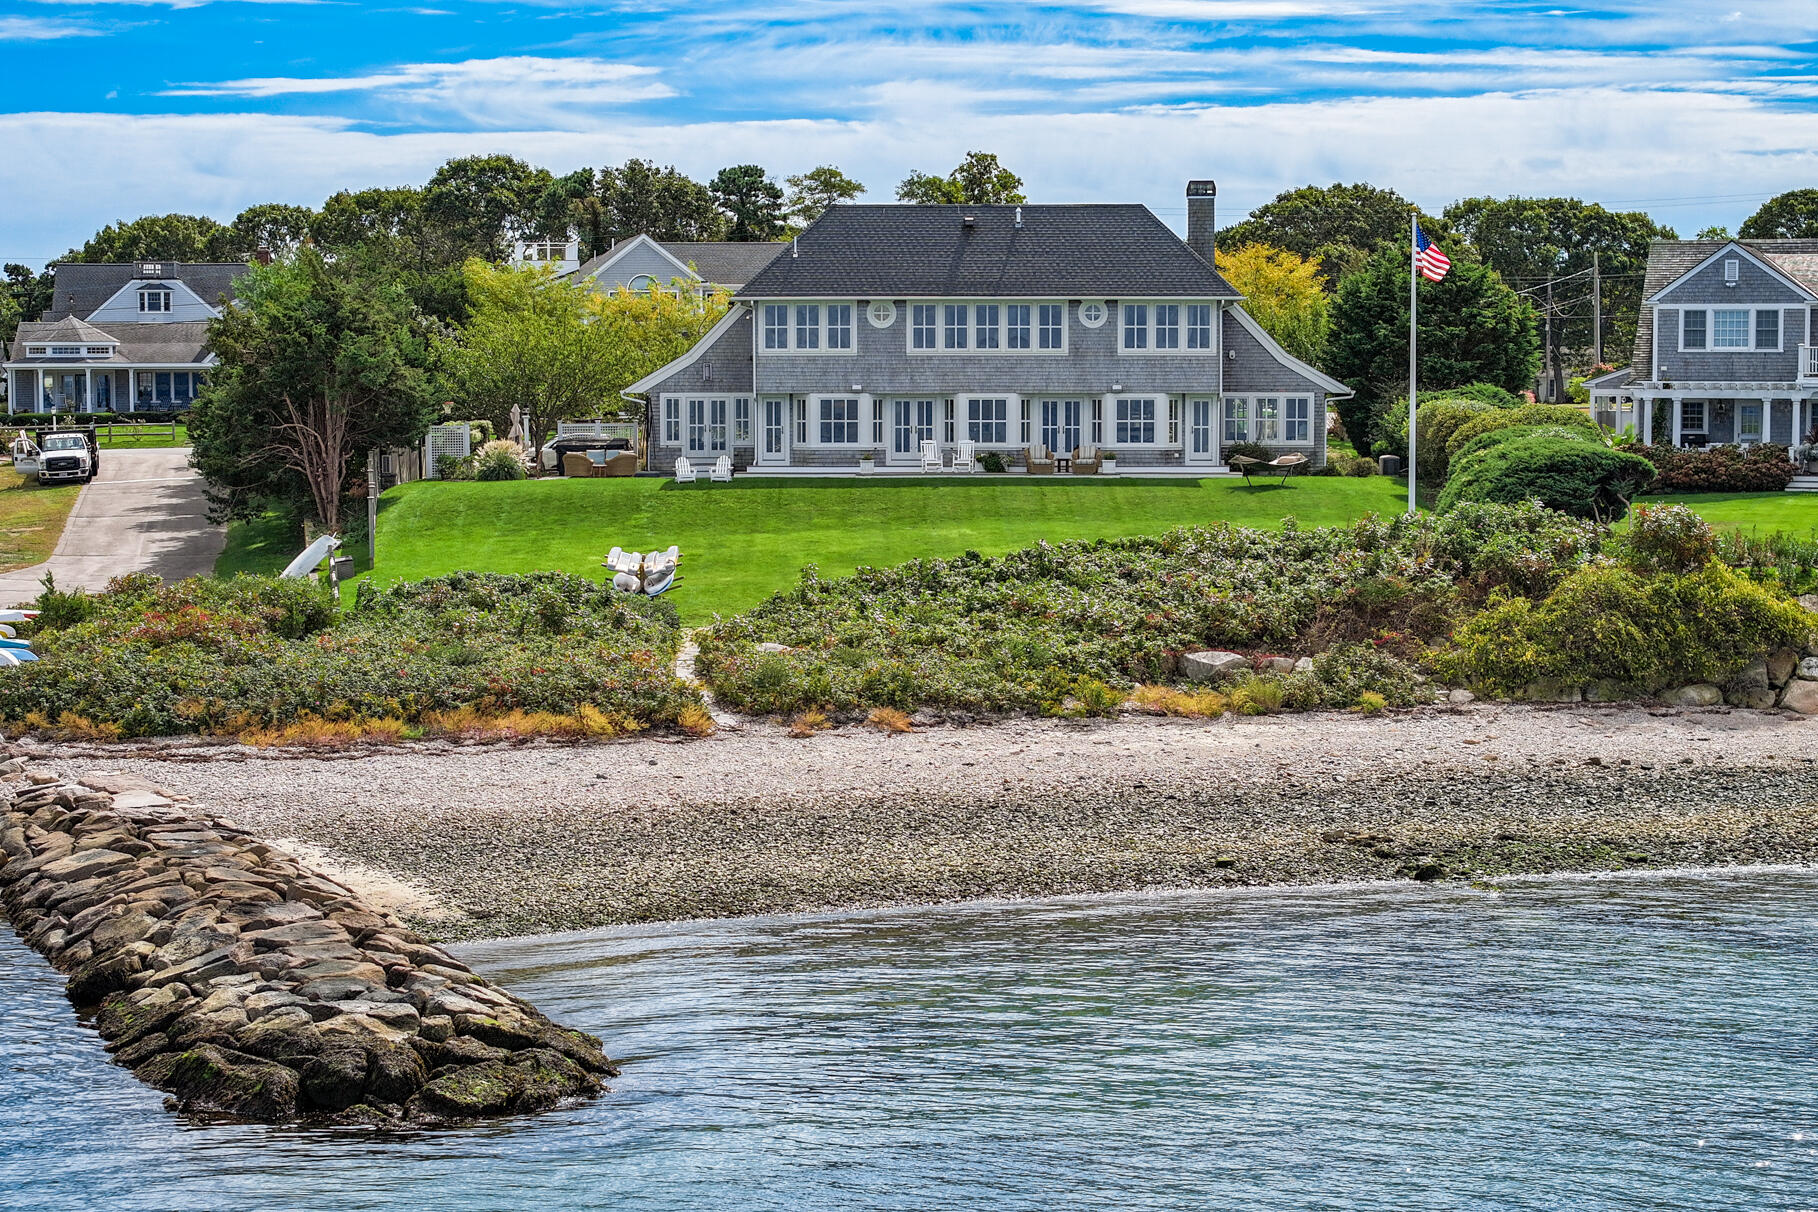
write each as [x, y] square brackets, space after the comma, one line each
[1692, 111]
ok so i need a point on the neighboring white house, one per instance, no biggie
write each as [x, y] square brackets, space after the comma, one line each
[120, 338]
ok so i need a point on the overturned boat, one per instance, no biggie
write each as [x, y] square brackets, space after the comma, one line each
[637, 572]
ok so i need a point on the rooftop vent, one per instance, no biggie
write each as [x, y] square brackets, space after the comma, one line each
[1019, 217]
[969, 221]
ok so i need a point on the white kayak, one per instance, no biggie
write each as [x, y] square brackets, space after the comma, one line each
[17, 616]
[311, 558]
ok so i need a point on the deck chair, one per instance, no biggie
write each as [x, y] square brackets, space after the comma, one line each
[931, 455]
[1086, 461]
[576, 464]
[1041, 460]
[1286, 465]
[722, 470]
[684, 470]
[964, 459]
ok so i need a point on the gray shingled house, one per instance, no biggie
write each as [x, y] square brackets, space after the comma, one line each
[1725, 347]
[119, 338]
[1075, 328]
[641, 263]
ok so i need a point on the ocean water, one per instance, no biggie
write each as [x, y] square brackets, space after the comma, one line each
[1633, 1042]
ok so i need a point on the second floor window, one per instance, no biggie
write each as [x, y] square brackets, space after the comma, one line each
[839, 326]
[1136, 326]
[925, 319]
[776, 326]
[984, 319]
[1167, 326]
[1016, 326]
[1730, 328]
[1051, 317]
[155, 299]
[953, 335]
[1199, 326]
[1693, 336]
[807, 326]
[1767, 328]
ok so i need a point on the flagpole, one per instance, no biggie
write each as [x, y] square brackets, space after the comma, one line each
[1413, 328]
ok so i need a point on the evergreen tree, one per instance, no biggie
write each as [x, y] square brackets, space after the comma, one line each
[751, 200]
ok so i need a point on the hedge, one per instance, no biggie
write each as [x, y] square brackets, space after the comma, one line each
[1582, 478]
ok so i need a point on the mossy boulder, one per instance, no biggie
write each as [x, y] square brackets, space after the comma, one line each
[219, 1079]
[121, 1022]
[335, 1079]
[471, 1092]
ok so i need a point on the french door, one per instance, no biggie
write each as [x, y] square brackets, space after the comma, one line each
[1200, 446]
[707, 425]
[912, 423]
[775, 447]
[1061, 425]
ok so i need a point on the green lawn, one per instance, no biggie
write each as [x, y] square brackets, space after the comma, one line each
[1764, 511]
[743, 541]
[31, 518]
[265, 545]
[149, 437]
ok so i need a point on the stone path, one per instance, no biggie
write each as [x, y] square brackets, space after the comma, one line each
[145, 512]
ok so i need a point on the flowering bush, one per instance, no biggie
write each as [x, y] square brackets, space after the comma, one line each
[1668, 538]
[1763, 467]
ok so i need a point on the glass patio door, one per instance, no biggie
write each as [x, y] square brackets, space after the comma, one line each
[775, 448]
[1060, 428]
[912, 424]
[1199, 431]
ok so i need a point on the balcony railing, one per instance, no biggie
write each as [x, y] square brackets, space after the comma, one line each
[1808, 364]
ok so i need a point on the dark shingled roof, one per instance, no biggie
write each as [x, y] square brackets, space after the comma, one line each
[181, 342]
[1669, 260]
[1076, 251]
[83, 286]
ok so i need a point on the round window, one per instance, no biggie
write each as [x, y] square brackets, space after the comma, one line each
[1092, 315]
[882, 313]
[642, 282]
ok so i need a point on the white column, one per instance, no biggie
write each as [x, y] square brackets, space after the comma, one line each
[1679, 418]
[88, 388]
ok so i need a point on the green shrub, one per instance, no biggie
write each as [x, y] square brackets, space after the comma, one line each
[1347, 465]
[59, 608]
[1581, 478]
[1346, 672]
[1482, 393]
[1248, 450]
[499, 461]
[1787, 560]
[455, 467]
[992, 460]
[1613, 623]
[1667, 538]
[1527, 414]
[1514, 433]
[1763, 467]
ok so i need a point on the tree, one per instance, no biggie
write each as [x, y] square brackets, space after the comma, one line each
[481, 202]
[24, 298]
[1789, 216]
[812, 192]
[557, 350]
[1715, 232]
[640, 198]
[1528, 240]
[1340, 226]
[980, 180]
[1472, 328]
[273, 225]
[317, 366]
[751, 200]
[1283, 293]
[161, 238]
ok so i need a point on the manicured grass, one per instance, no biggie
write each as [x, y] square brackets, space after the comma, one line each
[31, 518]
[264, 545]
[743, 541]
[153, 436]
[1796, 512]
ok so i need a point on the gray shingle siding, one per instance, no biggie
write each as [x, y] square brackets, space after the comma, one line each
[643, 259]
[723, 369]
[1754, 285]
[1716, 366]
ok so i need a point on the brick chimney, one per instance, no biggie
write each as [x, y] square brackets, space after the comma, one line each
[262, 255]
[1202, 217]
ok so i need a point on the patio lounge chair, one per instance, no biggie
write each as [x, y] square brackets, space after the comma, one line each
[1286, 464]
[1041, 460]
[931, 455]
[1086, 461]
[722, 470]
[576, 463]
[963, 458]
[617, 463]
[684, 470]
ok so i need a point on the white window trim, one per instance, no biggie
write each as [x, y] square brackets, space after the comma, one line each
[1710, 332]
[1157, 421]
[962, 409]
[1003, 349]
[1249, 400]
[792, 347]
[1182, 329]
[862, 421]
[163, 293]
[1704, 417]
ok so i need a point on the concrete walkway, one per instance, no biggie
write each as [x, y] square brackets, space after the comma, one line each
[144, 513]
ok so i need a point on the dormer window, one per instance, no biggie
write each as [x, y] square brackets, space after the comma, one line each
[66, 351]
[154, 299]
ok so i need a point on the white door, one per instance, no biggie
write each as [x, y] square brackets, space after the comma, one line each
[774, 447]
[1060, 425]
[912, 423]
[1200, 445]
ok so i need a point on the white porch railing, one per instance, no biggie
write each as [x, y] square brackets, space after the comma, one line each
[1808, 364]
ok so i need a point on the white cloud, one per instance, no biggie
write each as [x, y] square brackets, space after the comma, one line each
[44, 29]
[1634, 146]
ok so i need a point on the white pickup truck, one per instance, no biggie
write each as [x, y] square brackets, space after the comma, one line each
[58, 455]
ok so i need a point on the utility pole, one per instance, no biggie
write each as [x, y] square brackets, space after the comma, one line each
[1596, 312]
[1547, 344]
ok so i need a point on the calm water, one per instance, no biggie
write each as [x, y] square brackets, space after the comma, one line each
[1622, 1043]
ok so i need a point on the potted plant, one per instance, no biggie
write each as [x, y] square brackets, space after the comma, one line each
[867, 462]
[1110, 464]
[1805, 455]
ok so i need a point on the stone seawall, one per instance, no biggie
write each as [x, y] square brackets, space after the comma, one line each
[225, 972]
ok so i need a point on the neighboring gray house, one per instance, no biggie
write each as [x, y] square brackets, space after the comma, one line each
[1086, 327]
[119, 338]
[640, 263]
[1724, 350]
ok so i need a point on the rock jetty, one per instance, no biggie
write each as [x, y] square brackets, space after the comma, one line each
[223, 971]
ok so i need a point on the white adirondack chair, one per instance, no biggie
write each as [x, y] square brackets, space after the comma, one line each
[684, 470]
[963, 459]
[722, 470]
[931, 455]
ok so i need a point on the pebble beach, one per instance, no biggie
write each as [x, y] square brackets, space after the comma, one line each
[496, 840]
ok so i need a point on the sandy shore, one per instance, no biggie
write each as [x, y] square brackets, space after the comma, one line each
[496, 840]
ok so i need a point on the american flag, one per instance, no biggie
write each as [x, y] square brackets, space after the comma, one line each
[1432, 263]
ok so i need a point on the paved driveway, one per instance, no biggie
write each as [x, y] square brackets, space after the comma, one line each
[144, 513]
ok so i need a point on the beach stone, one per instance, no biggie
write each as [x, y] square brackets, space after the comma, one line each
[1304, 665]
[119, 931]
[1548, 691]
[436, 1027]
[1608, 690]
[1782, 664]
[548, 1077]
[1800, 695]
[1280, 664]
[583, 1049]
[459, 1050]
[121, 1022]
[285, 1036]
[141, 1050]
[395, 1073]
[1699, 694]
[212, 1078]
[509, 1033]
[1809, 601]
[335, 1078]
[100, 976]
[1750, 688]
[1212, 665]
[1808, 669]
[1460, 696]
[485, 1089]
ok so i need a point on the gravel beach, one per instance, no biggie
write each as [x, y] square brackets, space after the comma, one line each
[493, 840]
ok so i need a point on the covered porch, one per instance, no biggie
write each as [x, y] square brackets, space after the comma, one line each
[1698, 415]
[89, 388]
